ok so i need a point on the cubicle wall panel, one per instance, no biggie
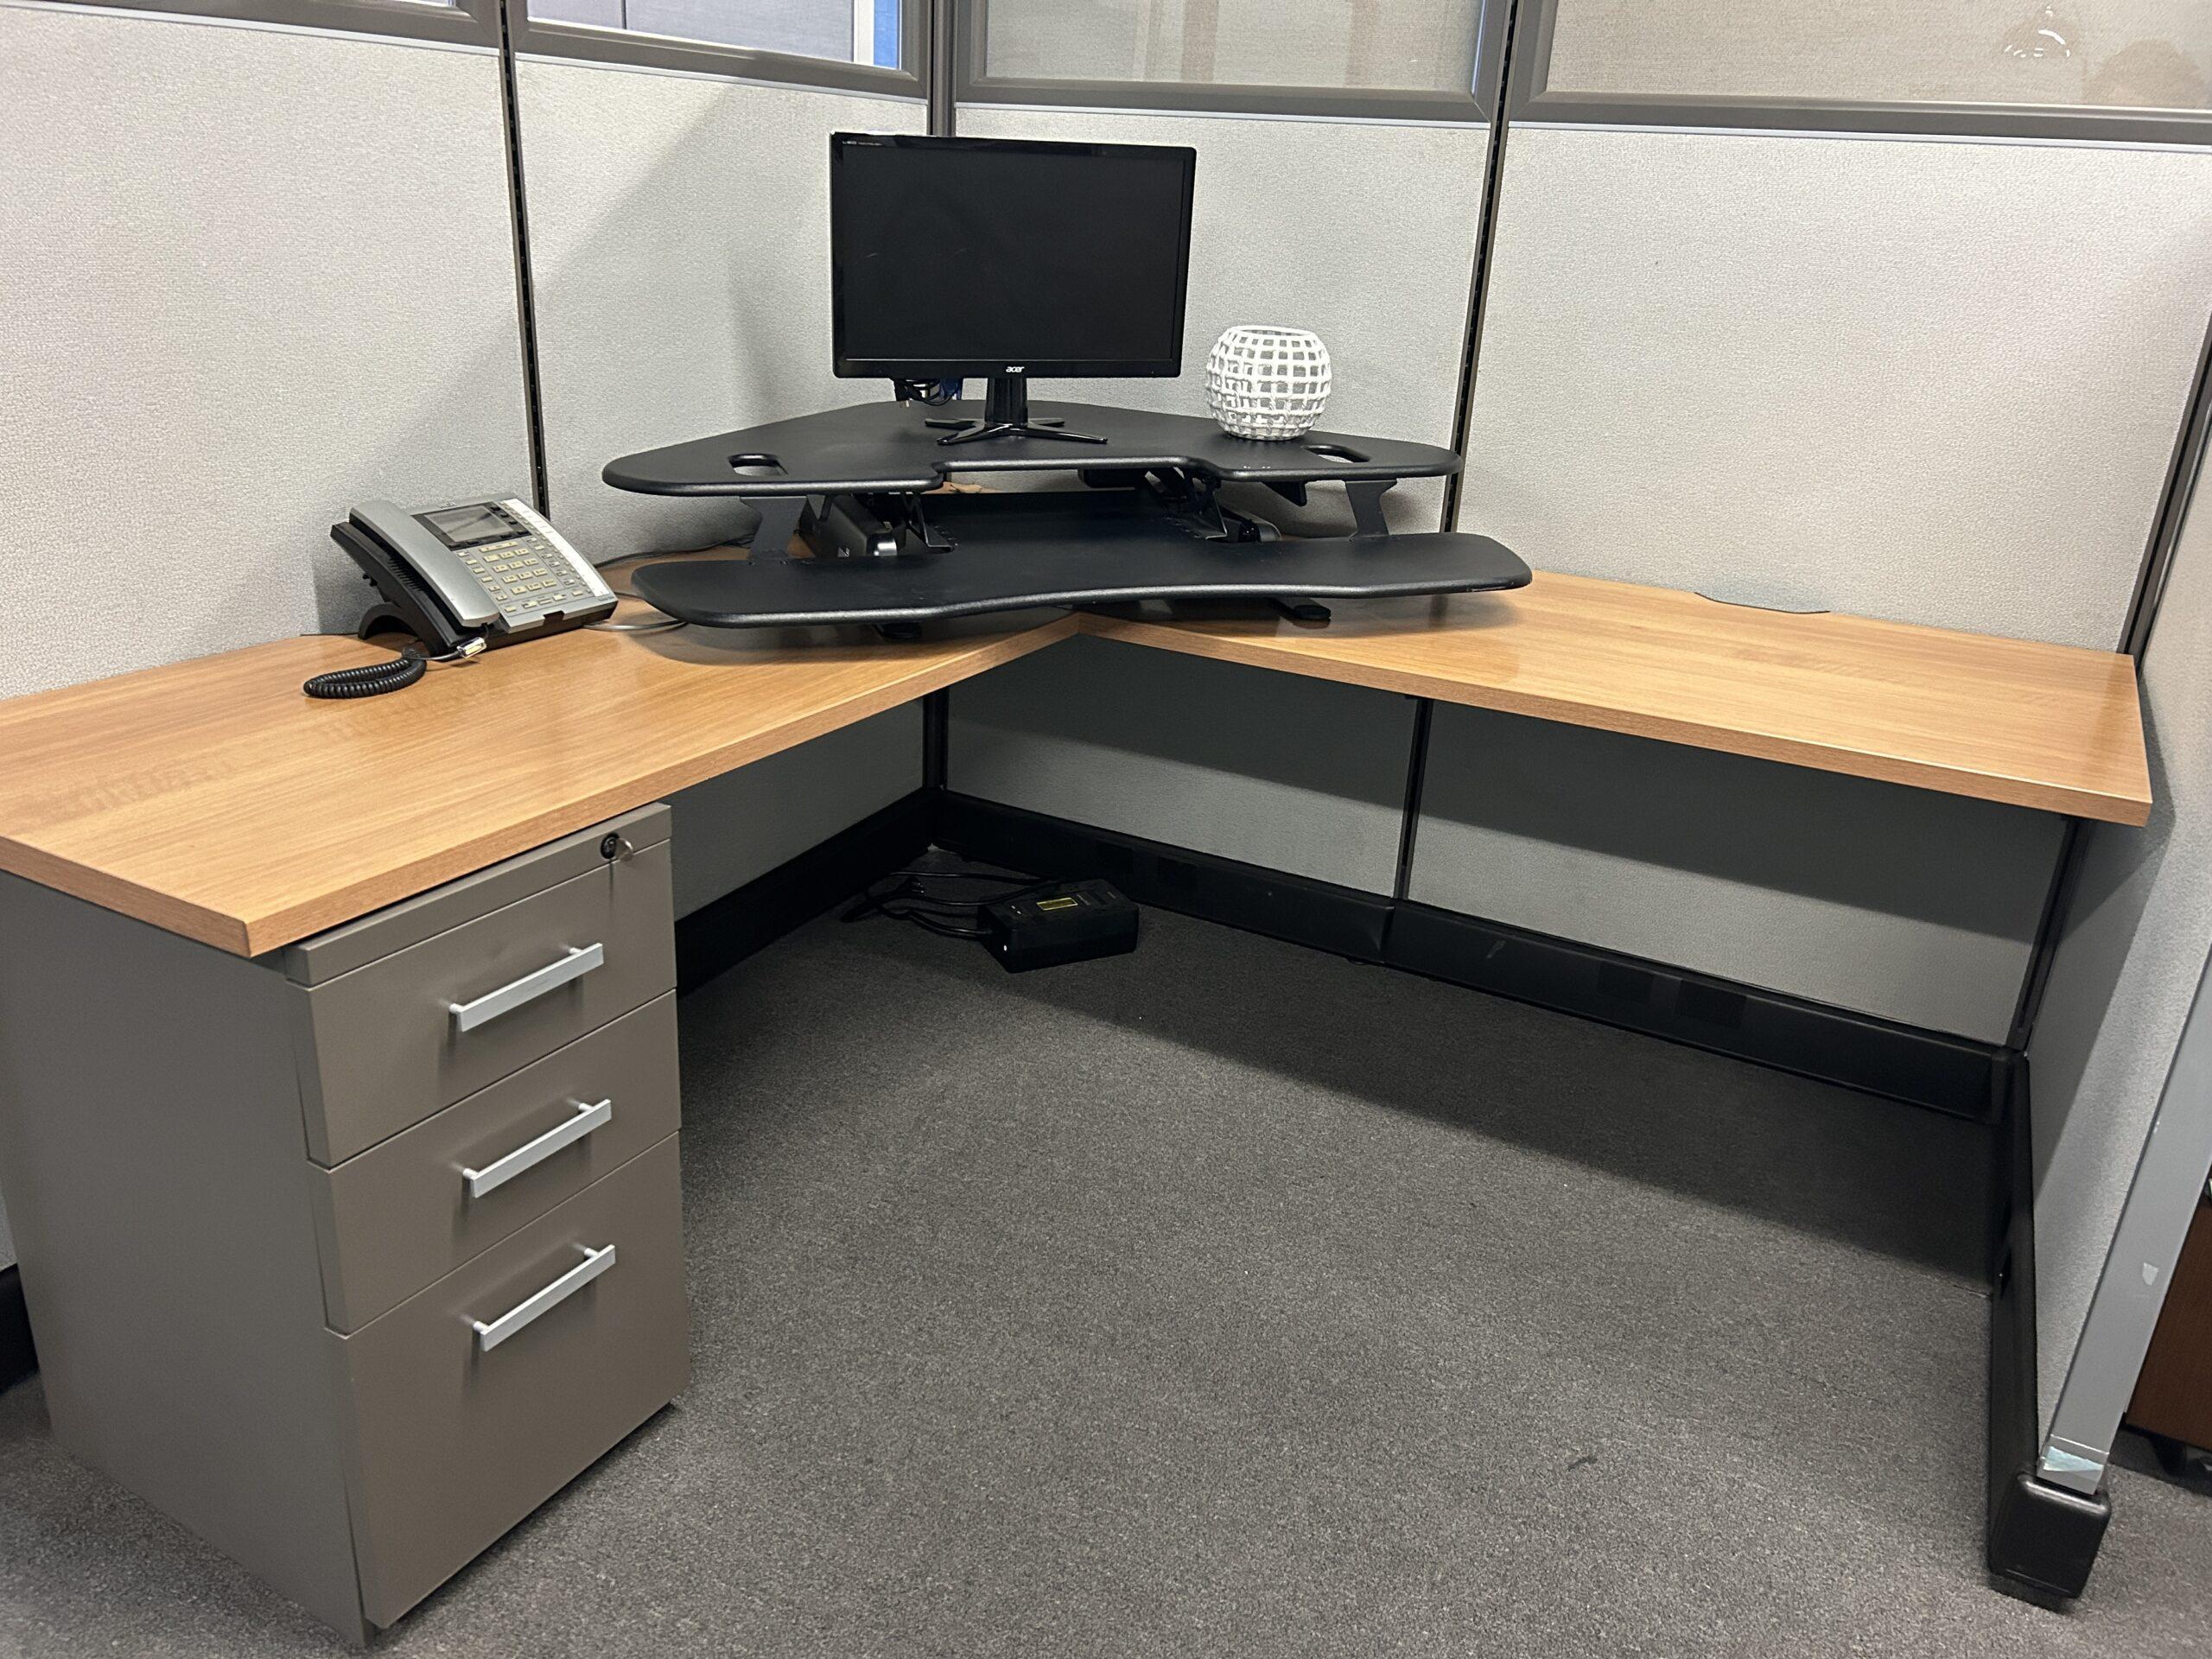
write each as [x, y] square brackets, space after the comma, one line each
[252, 276]
[1291, 774]
[2135, 941]
[679, 232]
[1899, 903]
[1362, 231]
[1937, 381]
[744, 824]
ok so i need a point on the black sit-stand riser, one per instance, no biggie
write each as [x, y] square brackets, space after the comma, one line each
[858, 483]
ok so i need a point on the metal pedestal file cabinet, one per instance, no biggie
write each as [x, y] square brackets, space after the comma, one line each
[349, 1255]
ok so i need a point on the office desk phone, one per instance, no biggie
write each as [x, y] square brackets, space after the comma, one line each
[461, 580]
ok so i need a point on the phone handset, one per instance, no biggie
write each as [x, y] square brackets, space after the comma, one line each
[439, 568]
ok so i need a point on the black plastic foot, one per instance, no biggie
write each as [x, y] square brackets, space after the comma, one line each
[2044, 1538]
[1302, 610]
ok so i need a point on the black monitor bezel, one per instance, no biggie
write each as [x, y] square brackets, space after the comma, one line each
[848, 367]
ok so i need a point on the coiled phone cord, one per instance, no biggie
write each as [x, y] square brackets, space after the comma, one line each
[370, 679]
[394, 674]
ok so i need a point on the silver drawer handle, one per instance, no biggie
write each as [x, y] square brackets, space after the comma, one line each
[580, 961]
[491, 1334]
[498, 1172]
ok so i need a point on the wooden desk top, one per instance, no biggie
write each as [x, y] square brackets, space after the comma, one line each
[211, 798]
[2052, 727]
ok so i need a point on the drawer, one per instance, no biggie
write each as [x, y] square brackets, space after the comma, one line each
[356, 943]
[407, 1211]
[384, 1046]
[453, 1442]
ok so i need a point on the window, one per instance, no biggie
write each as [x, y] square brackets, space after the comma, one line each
[1419, 55]
[868, 32]
[476, 21]
[1599, 58]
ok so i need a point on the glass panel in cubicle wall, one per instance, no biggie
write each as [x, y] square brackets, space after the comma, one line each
[2080, 53]
[844, 31]
[1396, 45]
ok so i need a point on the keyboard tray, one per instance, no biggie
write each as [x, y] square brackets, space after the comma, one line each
[1017, 551]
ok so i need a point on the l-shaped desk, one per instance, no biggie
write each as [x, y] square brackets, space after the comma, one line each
[337, 1105]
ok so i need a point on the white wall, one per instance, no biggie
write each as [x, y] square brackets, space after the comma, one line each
[252, 276]
[680, 257]
[2135, 940]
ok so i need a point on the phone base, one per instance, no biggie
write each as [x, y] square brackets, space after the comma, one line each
[387, 620]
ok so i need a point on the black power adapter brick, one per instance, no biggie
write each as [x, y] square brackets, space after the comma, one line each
[1068, 921]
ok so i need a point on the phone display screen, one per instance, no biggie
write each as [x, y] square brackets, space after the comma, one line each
[466, 526]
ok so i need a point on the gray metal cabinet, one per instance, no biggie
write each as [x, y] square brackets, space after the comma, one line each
[349, 1256]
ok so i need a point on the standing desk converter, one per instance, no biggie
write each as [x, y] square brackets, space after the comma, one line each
[1146, 521]
[339, 1119]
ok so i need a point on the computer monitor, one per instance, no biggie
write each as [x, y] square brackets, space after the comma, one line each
[1007, 257]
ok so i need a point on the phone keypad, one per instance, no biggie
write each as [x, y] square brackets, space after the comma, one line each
[527, 579]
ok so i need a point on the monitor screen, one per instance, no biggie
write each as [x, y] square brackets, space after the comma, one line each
[954, 256]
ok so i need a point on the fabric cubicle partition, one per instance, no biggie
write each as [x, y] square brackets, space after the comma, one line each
[228, 317]
[679, 238]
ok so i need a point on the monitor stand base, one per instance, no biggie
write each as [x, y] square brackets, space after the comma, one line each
[1006, 415]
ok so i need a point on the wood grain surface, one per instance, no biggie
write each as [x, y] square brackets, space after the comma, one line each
[212, 798]
[2052, 727]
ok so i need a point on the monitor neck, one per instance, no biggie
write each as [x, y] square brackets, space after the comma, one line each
[1007, 402]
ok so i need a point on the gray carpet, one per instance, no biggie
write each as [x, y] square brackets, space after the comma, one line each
[1233, 1299]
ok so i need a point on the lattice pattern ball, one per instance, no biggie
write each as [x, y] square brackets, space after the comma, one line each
[1267, 383]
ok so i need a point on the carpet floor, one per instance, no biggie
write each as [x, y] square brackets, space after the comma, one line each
[1234, 1300]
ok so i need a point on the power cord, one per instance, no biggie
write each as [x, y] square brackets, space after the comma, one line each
[660, 623]
[911, 900]
[934, 393]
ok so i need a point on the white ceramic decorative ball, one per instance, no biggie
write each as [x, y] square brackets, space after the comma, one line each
[1267, 383]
